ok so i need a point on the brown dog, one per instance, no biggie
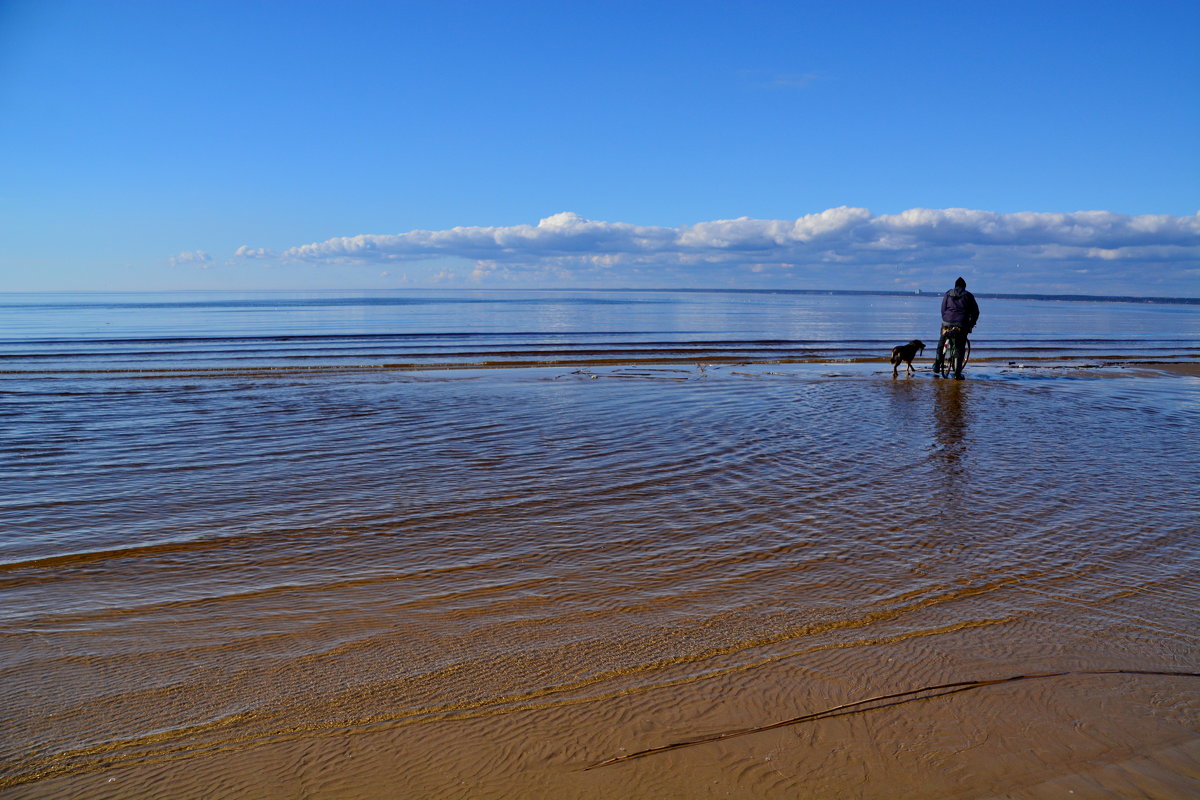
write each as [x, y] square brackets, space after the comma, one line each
[906, 353]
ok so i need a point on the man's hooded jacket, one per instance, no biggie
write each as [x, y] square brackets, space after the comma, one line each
[959, 308]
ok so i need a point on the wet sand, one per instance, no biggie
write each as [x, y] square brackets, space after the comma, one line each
[483, 585]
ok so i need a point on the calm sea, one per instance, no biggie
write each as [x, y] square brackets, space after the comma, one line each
[198, 332]
[466, 544]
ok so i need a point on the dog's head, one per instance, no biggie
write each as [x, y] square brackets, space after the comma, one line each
[917, 344]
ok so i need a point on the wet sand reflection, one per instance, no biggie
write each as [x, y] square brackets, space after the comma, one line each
[480, 587]
[951, 413]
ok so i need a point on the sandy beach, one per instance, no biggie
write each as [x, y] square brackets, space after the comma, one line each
[485, 584]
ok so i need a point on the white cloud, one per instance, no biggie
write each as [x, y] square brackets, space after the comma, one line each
[832, 249]
[765, 79]
[247, 252]
[191, 257]
[796, 80]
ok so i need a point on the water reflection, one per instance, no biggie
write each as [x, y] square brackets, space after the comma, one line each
[951, 413]
[909, 404]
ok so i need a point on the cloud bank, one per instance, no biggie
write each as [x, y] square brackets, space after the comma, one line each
[1086, 251]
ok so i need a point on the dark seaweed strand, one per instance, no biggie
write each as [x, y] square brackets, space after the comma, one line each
[846, 709]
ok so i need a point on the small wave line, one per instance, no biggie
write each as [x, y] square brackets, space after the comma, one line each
[863, 706]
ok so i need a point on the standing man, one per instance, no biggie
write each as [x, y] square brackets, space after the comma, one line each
[959, 310]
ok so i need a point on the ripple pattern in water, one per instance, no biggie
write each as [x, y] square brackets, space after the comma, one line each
[194, 570]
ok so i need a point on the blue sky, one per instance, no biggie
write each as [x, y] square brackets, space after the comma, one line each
[353, 145]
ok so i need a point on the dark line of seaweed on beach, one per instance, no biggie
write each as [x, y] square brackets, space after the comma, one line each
[897, 699]
[1066, 361]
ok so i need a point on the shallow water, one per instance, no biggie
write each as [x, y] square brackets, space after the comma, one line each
[479, 582]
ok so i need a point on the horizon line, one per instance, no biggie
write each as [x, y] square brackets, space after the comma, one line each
[1072, 297]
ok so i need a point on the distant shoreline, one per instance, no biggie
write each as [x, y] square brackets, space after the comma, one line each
[1074, 298]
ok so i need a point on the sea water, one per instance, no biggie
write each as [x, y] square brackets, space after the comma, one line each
[204, 331]
[448, 544]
